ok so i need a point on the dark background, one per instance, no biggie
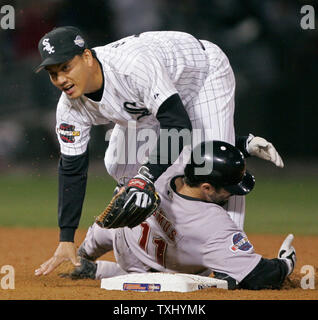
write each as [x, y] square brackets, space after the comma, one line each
[273, 58]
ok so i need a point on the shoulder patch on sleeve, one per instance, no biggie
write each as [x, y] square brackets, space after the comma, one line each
[67, 132]
[240, 242]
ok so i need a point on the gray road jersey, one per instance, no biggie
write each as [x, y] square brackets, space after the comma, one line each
[191, 236]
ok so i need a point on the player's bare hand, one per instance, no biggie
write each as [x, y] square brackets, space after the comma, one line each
[263, 149]
[66, 251]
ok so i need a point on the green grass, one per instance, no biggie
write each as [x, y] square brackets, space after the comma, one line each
[31, 200]
[275, 206]
[283, 205]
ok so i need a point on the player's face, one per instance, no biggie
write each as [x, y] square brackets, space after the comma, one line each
[220, 196]
[70, 77]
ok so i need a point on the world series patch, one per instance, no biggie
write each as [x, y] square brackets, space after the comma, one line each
[67, 132]
[240, 242]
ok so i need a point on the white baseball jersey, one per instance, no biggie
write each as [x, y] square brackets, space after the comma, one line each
[184, 235]
[140, 73]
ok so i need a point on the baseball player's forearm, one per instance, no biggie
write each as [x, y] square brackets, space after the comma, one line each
[72, 186]
[241, 143]
[268, 274]
[173, 118]
[108, 269]
[159, 162]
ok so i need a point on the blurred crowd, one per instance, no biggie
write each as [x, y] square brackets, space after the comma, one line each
[273, 58]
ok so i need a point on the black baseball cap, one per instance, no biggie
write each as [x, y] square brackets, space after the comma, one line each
[60, 45]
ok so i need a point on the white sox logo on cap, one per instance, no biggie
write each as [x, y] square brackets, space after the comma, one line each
[47, 46]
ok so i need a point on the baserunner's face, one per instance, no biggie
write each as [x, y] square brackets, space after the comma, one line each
[70, 77]
[219, 197]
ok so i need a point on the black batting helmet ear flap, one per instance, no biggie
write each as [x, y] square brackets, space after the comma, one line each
[220, 164]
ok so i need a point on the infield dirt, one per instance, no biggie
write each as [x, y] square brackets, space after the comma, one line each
[25, 249]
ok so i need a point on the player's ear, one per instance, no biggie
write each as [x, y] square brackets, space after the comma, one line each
[88, 57]
[206, 187]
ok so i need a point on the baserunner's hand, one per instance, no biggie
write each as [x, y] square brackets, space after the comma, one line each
[66, 251]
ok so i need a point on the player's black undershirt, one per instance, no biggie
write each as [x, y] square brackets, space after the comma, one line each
[72, 172]
[268, 274]
[240, 142]
[173, 120]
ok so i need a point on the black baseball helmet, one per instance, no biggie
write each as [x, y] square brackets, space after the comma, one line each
[220, 164]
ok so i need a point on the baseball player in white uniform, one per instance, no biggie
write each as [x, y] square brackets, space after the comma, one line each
[191, 232]
[154, 83]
